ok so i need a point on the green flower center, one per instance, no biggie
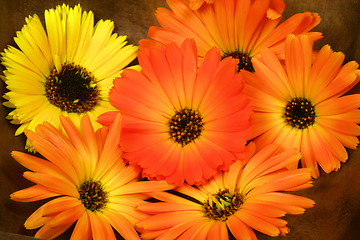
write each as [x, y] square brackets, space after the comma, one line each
[185, 126]
[73, 89]
[92, 195]
[299, 113]
[244, 60]
[222, 205]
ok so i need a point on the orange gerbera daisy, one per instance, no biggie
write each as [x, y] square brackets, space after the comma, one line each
[87, 181]
[182, 122]
[301, 105]
[239, 199]
[196, 4]
[240, 28]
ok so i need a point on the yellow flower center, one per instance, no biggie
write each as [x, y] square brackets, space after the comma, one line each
[244, 60]
[92, 195]
[299, 113]
[223, 204]
[73, 89]
[185, 126]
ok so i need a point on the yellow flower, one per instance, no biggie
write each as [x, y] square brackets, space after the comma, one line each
[87, 180]
[66, 70]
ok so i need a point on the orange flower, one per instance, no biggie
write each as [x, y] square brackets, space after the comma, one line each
[240, 199]
[196, 4]
[239, 28]
[86, 178]
[300, 105]
[182, 122]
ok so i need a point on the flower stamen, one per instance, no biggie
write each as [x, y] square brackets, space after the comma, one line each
[299, 113]
[92, 195]
[223, 204]
[73, 89]
[185, 126]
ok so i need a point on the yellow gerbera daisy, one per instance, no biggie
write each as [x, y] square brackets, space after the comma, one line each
[300, 104]
[66, 69]
[87, 180]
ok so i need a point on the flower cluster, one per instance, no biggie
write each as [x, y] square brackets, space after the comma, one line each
[227, 111]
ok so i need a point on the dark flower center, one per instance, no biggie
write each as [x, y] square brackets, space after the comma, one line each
[185, 126]
[299, 113]
[223, 204]
[73, 89]
[244, 60]
[92, 196]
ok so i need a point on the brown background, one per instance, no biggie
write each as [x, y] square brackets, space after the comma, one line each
[336, 215]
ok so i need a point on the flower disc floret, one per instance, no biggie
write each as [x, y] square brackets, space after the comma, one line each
[223, 204]
[73, 89]
[92, 195]
[299, 113]
[185, 126]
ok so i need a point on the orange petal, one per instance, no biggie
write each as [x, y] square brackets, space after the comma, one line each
[121, 225]
[178, 230]
[82, 230]
[33, 193]
[218, 230]
[338, 105]
[195, 4]
[279, 181]
[193, 230]
[297, 24]
[54, 184]
[190, 163]
[67, 216]
[263, 209]
[189, 52]
[100, 227]
[322, 154]
[61, 204]
[154, 208]
[36, 219]
[53, 154]
[118, 175]
[333, 144]
[307, 159]
[240, 229]
[207, 70]
[90, 140]
[289, 203]
[185, 189]
[168, 220]
[258, 223]
[142, 187]
[74, 136]
[48, 232]
[151, 235]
